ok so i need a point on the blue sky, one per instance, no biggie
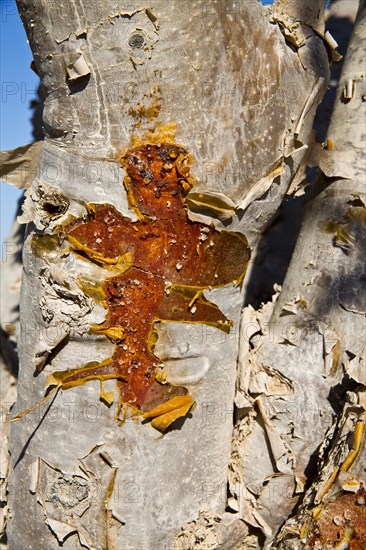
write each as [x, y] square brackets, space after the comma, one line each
[18, 87]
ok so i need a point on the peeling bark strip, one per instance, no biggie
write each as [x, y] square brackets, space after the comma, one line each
[164, 262]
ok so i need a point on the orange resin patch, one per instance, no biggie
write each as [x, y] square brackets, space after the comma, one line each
[341, 523]
[166, 262]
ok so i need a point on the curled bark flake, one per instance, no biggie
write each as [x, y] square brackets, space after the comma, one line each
[76, 66]
[18, 166]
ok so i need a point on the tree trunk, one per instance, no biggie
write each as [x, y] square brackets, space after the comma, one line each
[338, 489]
[231, 88]
[305, 386]
[10, 277]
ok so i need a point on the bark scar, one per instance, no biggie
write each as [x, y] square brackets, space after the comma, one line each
[164, 262]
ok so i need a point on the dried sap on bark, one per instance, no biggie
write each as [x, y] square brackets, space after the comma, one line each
[341, 523]
[164, 261]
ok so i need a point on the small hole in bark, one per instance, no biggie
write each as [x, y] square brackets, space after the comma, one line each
[54, 207]
[136, 41]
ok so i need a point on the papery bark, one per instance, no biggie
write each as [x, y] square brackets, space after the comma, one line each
[303, 365]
